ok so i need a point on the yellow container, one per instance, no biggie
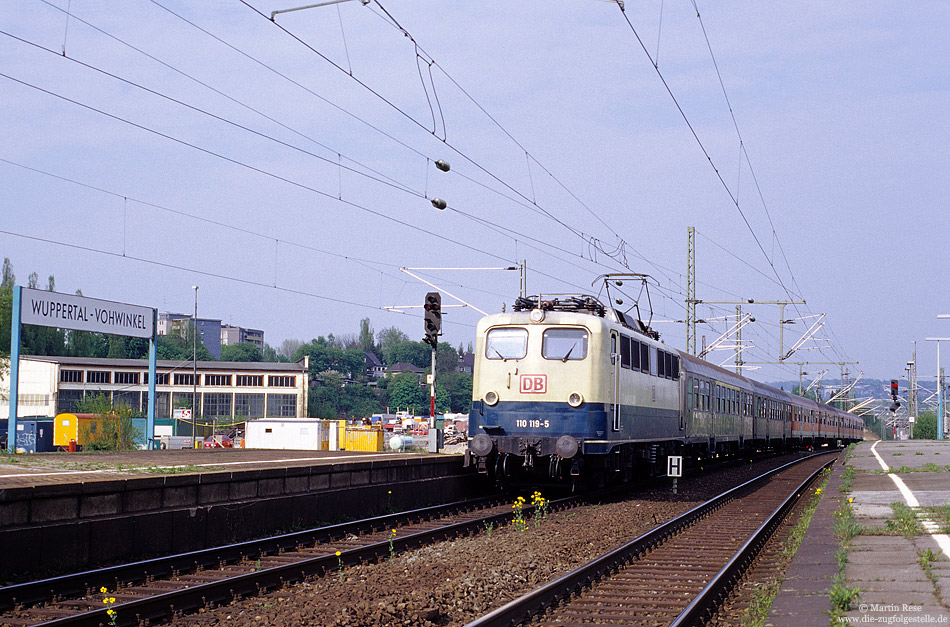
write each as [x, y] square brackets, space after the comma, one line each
[364, 440]
[65, 428]
[79, 428]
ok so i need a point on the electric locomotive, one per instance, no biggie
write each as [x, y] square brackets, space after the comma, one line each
[566, 389]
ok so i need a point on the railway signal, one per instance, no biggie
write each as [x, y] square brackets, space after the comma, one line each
[433, 318]
[896, 402]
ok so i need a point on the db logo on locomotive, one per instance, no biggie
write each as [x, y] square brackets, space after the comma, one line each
[534, 383]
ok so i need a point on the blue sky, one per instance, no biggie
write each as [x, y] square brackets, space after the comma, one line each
[286, 168]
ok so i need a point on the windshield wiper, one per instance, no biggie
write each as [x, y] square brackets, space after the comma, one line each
[503, 358]
[569, 351]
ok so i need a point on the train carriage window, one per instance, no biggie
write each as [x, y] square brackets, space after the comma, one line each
[624, 351]
[695, 386]
[564, 344]
[644, 358]
[506, 343]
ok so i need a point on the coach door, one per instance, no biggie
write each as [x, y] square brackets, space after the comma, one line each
[615, 380]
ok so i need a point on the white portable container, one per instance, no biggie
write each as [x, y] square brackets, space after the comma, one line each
[304, 434]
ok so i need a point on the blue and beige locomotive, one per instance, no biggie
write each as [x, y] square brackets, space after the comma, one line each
[565, 388]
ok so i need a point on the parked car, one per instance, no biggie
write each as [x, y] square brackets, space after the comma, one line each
[218, 441]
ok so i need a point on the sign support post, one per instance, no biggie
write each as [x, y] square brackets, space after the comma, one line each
[14, 368]
[152, 375]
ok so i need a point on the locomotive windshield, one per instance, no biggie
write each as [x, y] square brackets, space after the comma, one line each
[511, 343]
[564, 344]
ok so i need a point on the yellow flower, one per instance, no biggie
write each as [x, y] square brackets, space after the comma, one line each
[851, 500]
[110, 612]
[394, 532]
[389, 492]
[338, 554]
[111, 599]
[105, 600]
[103, 589]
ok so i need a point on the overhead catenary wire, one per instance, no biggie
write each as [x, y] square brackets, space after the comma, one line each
[591, 241]
[407, 116]
[732, 196]
[397, 186]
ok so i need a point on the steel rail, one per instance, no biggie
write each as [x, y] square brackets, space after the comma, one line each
[198, 595]
[521, 609]
[722, 584]
[33, 592]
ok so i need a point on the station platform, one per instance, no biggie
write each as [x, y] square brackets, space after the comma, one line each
[890, 500]
[38, 469]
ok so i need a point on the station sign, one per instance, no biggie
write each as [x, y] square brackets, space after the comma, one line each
[78, 313]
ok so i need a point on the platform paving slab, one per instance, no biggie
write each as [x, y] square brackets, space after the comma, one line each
[895, 588]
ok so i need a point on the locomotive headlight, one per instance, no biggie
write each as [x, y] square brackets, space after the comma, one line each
[491, 398]
[575, 399]
[537, 315]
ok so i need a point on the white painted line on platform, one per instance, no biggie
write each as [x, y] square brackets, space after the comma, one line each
[278, 461]
[880, 459]
[942, 539]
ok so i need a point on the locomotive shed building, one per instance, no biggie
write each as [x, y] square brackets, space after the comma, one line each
[230, 390]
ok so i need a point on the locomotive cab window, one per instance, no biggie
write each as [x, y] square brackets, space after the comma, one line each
[625, 352]
[511, 343]
[564, 344]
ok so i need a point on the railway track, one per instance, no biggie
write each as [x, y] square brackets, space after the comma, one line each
[158, 588]
[676, 574]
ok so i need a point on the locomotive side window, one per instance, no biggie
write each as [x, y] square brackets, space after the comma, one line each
[624, 351]
[564, 344]
[645, 358]
[634, 354]
[653, 364]
[511, 343]
[661, 364]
